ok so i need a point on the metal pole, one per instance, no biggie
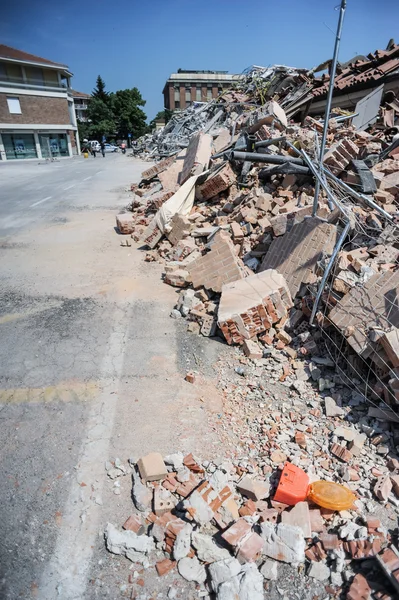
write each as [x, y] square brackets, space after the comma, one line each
[332, 201]
[342, 237]
[274, 159]
[329, 98]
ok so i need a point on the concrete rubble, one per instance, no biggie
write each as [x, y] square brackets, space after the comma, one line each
[306, 295]
[225, 532]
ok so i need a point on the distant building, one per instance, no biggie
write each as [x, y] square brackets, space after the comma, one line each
[37, 115]
[81, 103]
[184, 87]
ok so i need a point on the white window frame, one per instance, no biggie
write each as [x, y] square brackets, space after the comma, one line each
[14, 105]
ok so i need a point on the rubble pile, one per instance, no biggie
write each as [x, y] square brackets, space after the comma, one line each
[295, 262]
[224, 221]
[253, 89]
[221, 524]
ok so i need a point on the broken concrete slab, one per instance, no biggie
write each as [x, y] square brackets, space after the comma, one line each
[284, 542]
[223, 570]
[319, 571]
[331, 407]
[207, 549]
[182, 545]
[197, 156]
[299, 516]
[191, 569]
[134, 547]
[251, 583]
[254, 489]
[142, 495]
[269, 570]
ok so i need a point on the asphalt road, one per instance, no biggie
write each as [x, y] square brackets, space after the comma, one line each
[91, 367]
[31, 191]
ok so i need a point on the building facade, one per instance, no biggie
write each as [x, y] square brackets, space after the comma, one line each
[184, 87]
[81, 103]
[37, 114]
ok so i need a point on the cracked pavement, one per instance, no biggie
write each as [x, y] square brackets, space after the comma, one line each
[91, 367]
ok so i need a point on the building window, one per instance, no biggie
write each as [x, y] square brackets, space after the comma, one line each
[34, 76]
[209, 93]
[188, 96]
[71, 111]
[13, 105]
[54, 144]
[177, 103]
[198, 92]
[19, 146]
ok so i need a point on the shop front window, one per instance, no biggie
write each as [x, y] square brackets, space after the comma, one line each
[19, 145]
[53, 145]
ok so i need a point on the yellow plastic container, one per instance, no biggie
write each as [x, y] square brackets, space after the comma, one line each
[86, 154]
[332, 496]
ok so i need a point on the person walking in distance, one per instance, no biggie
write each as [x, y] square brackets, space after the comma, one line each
[102, 149]
[123, 147]
[93, 150]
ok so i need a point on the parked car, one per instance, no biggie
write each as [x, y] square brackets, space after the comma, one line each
[110, 148]
[95, 146]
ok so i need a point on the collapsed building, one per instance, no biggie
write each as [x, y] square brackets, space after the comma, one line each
[277, 251]
[233, 196]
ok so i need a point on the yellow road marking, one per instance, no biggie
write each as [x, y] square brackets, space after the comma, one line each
[68, 391]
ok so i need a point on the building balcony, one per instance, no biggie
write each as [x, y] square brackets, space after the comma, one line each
[32, 84]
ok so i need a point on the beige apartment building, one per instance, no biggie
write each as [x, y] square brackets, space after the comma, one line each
[37, 114]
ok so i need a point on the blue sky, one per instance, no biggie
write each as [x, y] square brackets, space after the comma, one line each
[134, 43]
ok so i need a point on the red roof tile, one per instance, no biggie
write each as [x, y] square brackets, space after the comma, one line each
[14, 54]
[378, 65]
[77, 94]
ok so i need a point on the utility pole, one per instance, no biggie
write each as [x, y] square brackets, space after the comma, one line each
[329, 100]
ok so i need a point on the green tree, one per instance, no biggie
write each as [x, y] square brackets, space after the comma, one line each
[127, 113]
[99, 91]
[101, 118]
[84, 130]
[162, 115]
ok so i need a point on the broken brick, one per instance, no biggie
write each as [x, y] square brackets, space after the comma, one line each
[152, 467]
[190, 377]
[217, 267]
[330, 541]
[250, 548]
[251, 305]
[192, 464]
[234, 534]
[248, 509]
[341, 452]
[383, 487]
[125, 223]
[133, 523]
[164, 566]
[252, 350]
